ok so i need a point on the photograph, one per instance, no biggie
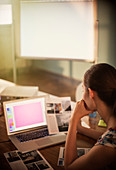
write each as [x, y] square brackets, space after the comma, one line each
[30, 157]
[13, 156]
[58, 108]
[31, 166]
[66, 105]
[42, 165]
[50, 108]
[32, 160]
[80, 151]
[63, 122]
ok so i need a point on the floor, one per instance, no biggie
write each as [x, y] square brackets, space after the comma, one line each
[46, 81]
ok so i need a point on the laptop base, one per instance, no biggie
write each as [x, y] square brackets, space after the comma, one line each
[38, 143]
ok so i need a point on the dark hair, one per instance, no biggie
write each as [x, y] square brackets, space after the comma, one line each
[102, 79]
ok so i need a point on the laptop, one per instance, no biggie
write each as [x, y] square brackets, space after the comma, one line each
[27, 125]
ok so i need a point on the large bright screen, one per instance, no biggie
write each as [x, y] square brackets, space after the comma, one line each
[25, 114]
[57, 30]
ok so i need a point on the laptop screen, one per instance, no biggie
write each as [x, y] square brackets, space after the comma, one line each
[24, 114]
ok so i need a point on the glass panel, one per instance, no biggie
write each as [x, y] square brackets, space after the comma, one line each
[5, 14]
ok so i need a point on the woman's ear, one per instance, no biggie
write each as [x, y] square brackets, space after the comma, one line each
[91, 93]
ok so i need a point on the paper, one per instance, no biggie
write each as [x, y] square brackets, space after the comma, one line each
[81, 151]
[28, 160]
[4, 84]
[58, 113]
[85, 121]
[8, 88]
[22, 91]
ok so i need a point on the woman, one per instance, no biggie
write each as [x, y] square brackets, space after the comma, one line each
[99, 95]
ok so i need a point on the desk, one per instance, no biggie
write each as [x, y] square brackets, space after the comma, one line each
[50, 153]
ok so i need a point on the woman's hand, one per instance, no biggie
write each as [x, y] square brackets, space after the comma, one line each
[79, 111]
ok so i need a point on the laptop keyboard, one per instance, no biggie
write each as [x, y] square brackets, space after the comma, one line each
[32, 135]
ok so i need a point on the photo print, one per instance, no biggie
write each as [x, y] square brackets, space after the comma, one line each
[50, 108]
[66, 106]
[30, 157]
[58, 107]
[32, 160]
[63, 122]
[80, 151]
[13, 156]
[58, 111]
[54, 108]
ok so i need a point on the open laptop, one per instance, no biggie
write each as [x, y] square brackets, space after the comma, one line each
[27, 126]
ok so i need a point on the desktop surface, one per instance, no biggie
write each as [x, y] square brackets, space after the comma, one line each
[50, 153]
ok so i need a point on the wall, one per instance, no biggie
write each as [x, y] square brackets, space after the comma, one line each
[7, 51]
[75, 69]
[107, 31]
[5, 46]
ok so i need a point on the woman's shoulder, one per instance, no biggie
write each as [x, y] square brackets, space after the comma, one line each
[108, 138]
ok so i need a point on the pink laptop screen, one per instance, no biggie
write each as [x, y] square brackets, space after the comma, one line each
[26, 114]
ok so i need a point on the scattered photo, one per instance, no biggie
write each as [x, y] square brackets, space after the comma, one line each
[32, 166]
[59, 107]
[32, 160]
[13, 156]
[30, 157]
[58, 114]
[80, 151]
[66, 105]
[42, 165]
[63, 122]
[50, 108]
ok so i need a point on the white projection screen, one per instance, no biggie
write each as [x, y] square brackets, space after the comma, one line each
[57, 30]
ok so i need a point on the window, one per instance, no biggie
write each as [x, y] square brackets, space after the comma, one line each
[57, 29]
[5, 14]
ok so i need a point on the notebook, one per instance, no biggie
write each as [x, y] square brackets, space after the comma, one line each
[27, 126]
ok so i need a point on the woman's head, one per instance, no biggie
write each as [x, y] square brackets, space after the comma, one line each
[102, 79]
